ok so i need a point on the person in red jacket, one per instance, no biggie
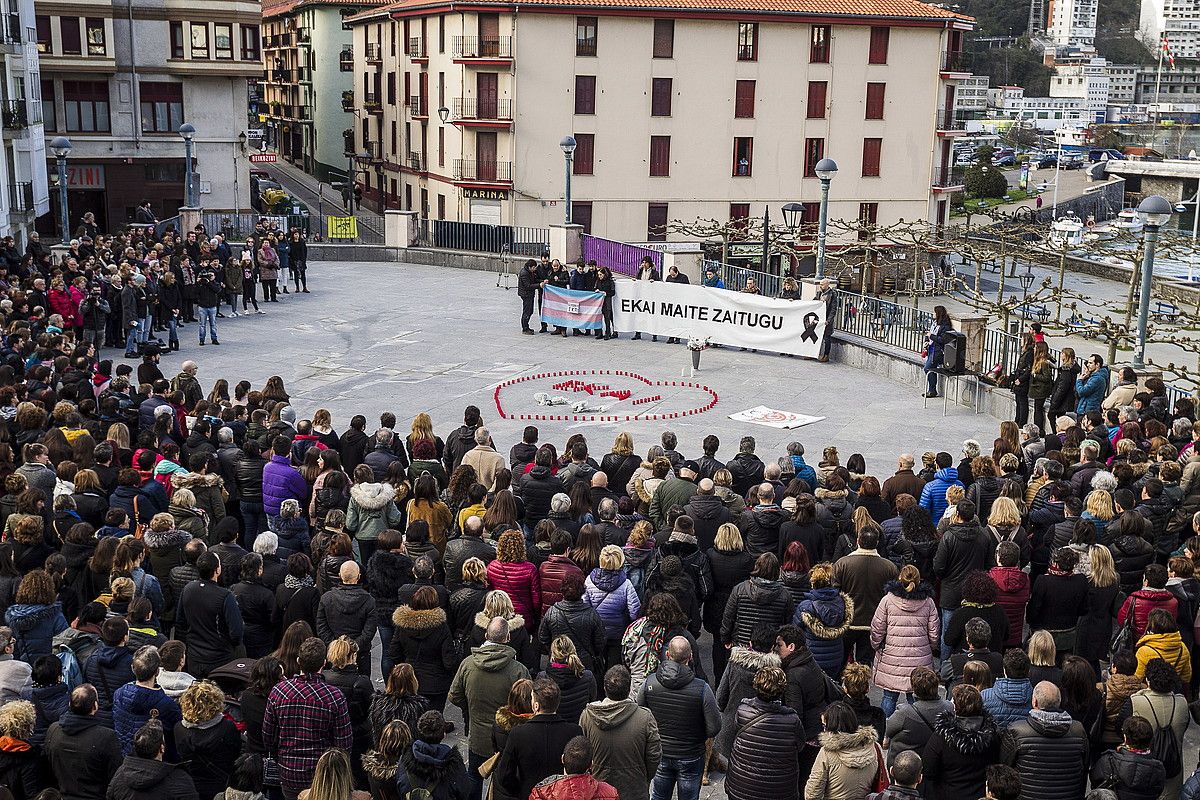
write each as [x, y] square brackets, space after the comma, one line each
[553, 570]
[512, 573]
[1152, 595]
[576, 782]
[1013, 585]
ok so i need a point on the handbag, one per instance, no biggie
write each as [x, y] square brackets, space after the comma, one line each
[488, 767]
[1124, 638]
[882, 780]
[139, 530]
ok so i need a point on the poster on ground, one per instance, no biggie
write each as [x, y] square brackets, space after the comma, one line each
[736, 319]
[761, 415]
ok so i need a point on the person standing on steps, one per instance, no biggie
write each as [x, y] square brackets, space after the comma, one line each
[299, 261]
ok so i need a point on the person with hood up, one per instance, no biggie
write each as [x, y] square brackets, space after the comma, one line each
[142, 700]
[144, 775]
[1092, 385]
[372, 510]
[825, 616]
[83, 754]
[349, 610]
[208, 742]
[904, 635]
[612, 595]
[1048, 749]
[623, 736]
[933, 495]
[768, 743]
[480, 688]
[435, 767]
[737, 684]
[760, 600]
[20, 763]
[36, 617]
[685, 709]
[964, 743]
[1131, 770]
[849, 759]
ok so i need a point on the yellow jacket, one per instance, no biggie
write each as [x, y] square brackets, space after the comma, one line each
[1170, 648]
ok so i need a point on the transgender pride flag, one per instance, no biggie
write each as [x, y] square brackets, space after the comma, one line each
[568, 308]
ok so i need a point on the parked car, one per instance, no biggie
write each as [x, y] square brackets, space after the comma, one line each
[1009, 160]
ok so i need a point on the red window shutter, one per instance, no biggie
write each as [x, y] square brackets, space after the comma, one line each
[585, 94]
[660, 156]
[744, 103]
[875, 95]
[878, 53]
[817, 91]
[656, 222]
[664, 38]
[814, 151]
[660, 97]
[818, 47]
[585, 147]
[871, 150]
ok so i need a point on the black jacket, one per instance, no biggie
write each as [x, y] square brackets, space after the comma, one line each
[437, 768]
[577, 619]
[728, 570]
[533, 752]
[353, 448]
[422, 638]
[21, 772]
[619, 470]
[458, 551]
[575, 691]
[257, 604]
[347, 610]
[1057, 601]
[464, 605]
[958, 754]
[208, 754]
[148, 779]
[963, 548]
[358, 692]
[747, 471]
[386, 573]
[764, 761]
[708, 467]
[83, 756]
[684, 707]
[807, 691]
[210, 621]
[108, 669]
[1133, 776]
[755, 602]
[458, 444]
[249, 471]
[1050, 752]
[762, 529]
[536, 489]
[1131, 554]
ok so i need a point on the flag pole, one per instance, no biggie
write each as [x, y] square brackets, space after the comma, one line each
[1162, 48]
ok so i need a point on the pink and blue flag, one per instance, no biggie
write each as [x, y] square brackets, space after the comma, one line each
[568, 308]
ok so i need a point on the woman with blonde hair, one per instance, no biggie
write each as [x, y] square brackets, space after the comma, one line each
[1098, 509]
[1043, 659]
[208, 744]
[342, 672]
[118, 436]
[1004, 524]
[383, 761]
[499, 604]
[730, 564]
[422, 430]
[514, 574]
[621, 463]
[610, 592]
[904, 634]
[576, 684]
[825, 616]
[641, 556]
[333, 779]
[468, 599]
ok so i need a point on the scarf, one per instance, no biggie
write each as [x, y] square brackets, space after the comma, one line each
[1053, 570]
[292, 582]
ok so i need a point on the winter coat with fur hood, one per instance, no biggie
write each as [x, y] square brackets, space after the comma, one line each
[958, 754]
[737, 684]
[209, 489]
[845, 768]
[372, 510]
[904, 634]
[825, 616]
[422, 638]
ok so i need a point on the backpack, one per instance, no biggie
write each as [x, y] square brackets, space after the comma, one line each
[72, 672]
[1165, 744]
[640, 651]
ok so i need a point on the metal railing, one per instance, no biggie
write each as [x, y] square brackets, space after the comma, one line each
[372, 101]
[949, 177]
[479, 238]
[734, 278]
[956, 61]
[15, 114]
[476, 108]
[621, 258]
[346, 60]
[951, 120]
[417, 106]
[882, 320]
[416, 48]
[374, 53]
[416, 161]
[20, 197]
[318, 229]
[470, 169]
[482, 46]
[238, 226]
[10, 27]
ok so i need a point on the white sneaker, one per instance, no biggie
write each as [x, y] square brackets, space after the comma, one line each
[260, 311]
[235, 314]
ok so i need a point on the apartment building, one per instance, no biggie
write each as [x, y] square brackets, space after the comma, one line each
[1087, 80]
[23, 188]
[1072, 22]
[1181, 84]
[1178, 19]
[120, 80]
[1122, 83]
[971, 98]
[308, 91]
[709, 113]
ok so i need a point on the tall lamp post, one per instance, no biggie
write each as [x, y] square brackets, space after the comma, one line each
[826, 169]
[61, 147]
[568, 147]
[1155, 211]
[793, 213]
[188, 132]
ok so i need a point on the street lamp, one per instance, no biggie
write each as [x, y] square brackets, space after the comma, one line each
[792, 214]
[568, 147]
[61, 146]
[1155, 211]
[443, 114]
[826, 169]
[188, 132]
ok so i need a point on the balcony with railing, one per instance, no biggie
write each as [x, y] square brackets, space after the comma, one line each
[371, 152]
[951, 123]
[278, 40]
[346, 59]
[374, 53]
[17, 116]
[416, 49]
[486, 49]
[955, 62]
[483, 112]
[472, 170]
[416, 162]
[418, 106]
[949, 179]
[373, 102]
[304, 36]
[20, 198]
[348, 100]
[10, 28]
[281, 75]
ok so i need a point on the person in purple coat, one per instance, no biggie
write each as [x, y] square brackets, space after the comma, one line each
[281, 481]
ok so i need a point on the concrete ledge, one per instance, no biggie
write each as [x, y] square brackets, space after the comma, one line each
[353, 252]
[457, 259]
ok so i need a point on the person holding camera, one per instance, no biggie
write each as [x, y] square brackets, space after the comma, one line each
[93, 315]
[208, 297]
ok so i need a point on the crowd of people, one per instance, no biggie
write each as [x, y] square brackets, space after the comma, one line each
[195, 583]
[124, 289]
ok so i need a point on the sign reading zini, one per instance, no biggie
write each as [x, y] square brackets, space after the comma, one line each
[341, 228]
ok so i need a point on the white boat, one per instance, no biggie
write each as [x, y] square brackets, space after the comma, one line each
[1067, 231]
[1128, 221]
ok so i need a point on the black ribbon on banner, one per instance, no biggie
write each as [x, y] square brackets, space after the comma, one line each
[810, 328]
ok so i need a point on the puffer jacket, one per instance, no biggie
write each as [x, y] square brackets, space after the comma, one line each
[536, 490]
[1008, 700]
[134, 706]
[551, 574]
[575, 691]
[1133, 776]
[737, 684]
[578, 620]
[1131, 554]
[965, 547]
[983, 493]
[386, 573]
[958, 754]
[249, 471]
[1143, 601]
[1013, 594]
[1158, 511]
[728, 570]
[825, 616]
[904, 633]
[933, 496]
[372, 510]
[764, 762]
[521, 582]
[281, 481]
[465, 603]
[835, 515]
[845, 768]
[1170, 648]
[1049, 750]
[615, 600]
[753, 602]
[33, 627]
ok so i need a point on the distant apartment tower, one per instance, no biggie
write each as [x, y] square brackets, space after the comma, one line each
[971, 99]
[23, 185]
[308, 94]
[1072, 22]
[1178, 19]
[1122, 84]
[120, 80]
[1088, 81]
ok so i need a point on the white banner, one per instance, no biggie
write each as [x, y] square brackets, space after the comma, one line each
[725, 317]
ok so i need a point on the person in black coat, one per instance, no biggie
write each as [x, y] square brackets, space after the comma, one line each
[768, 743]
[207, 742]
[534, 750]
[574, 617]
[208, 619]
[469, 598]
[257, 604]
[83, 754]
[434, 766]
[342, 657]
[298, 261]
[577, 686]
[388, 570]
[143, 774]
[730, 565]
[979, 592]
[1059, 598]
[422, 638]
[963, 745]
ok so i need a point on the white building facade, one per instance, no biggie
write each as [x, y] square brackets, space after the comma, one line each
[1072, 22]
[25, 193]
[1179, 20]
[1088, 81]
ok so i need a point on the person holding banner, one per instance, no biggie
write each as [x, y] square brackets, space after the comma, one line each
[528, 286]
[560, 279]
[608, 286]
[646, 272]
